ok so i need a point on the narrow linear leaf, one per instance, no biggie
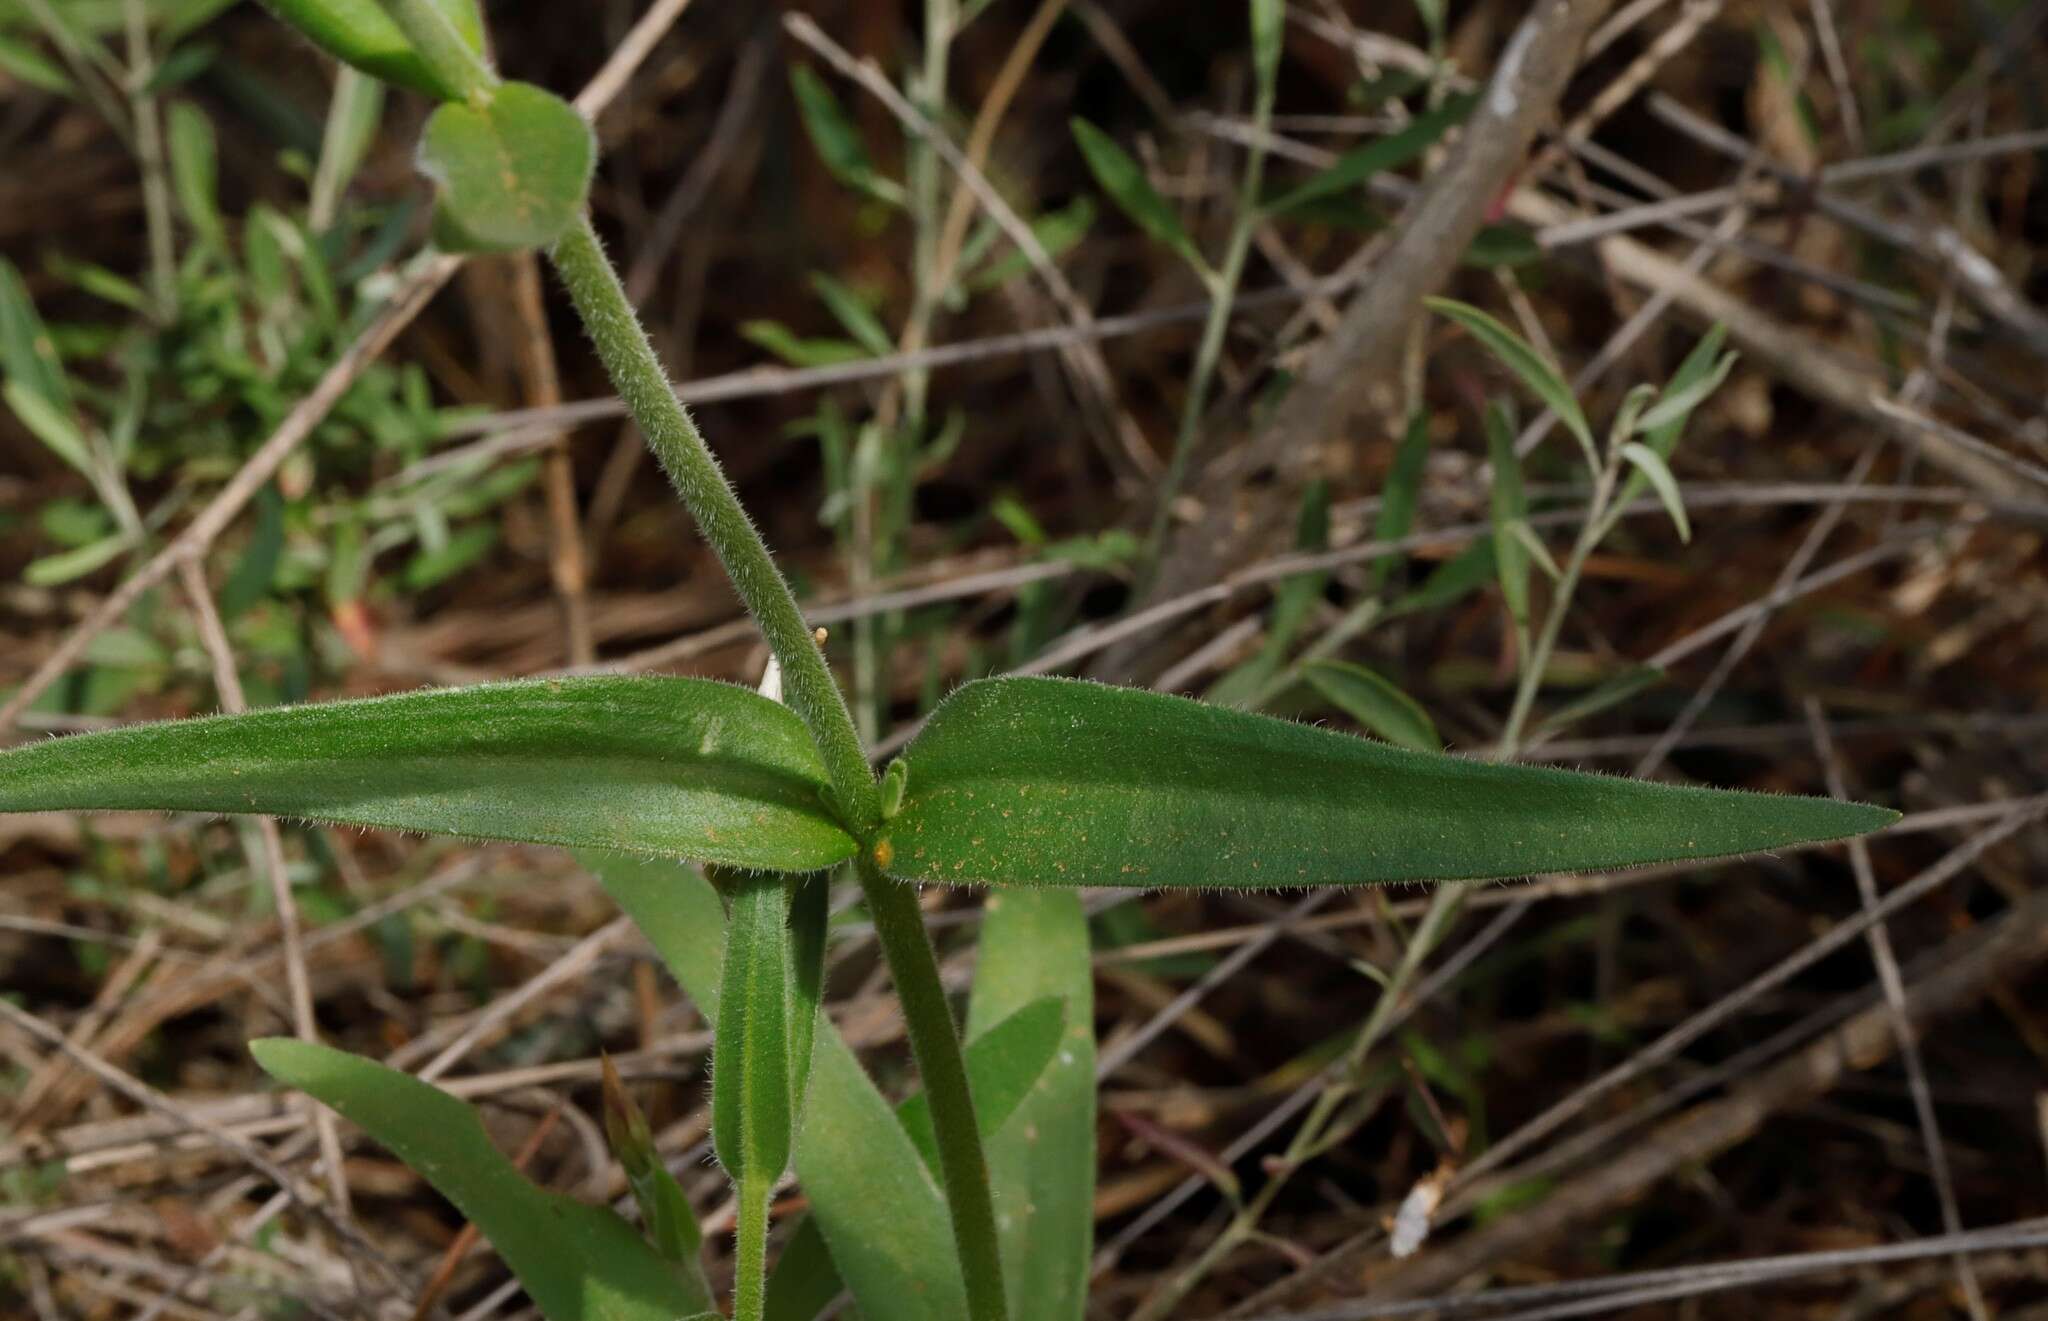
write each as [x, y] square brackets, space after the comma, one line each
[514, 173]
[1374, 702]
[1450, 581]
[1658, 474]
[1521, 358]
[852, 312]
[835, 138]
[1703, 363]
[195, 170]
[1034, 945]
[751, 1119]
[683, 767]
[27, 357]
[1124, 180]
[359, 33]
[577, 1262]
[1677, 403]
[1059, 782]
[57, 429]
[1391, 152]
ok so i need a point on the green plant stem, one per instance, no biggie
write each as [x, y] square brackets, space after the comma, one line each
[1537, 658]
[636, 373]
[149, 155]
[442, 48]
[899, 926]
[1222, 285]
[750, 1269]
[809, 690]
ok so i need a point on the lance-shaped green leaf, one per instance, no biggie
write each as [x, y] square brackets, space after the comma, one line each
[1388, 153]
[1003, 1064]
[1058, 782]
[1369, 698]
[512, 173]
[1125, 182]
[650, 765]
[1654, 470]
[750, 1110]
[1034, 944]
[359, 33]
[1664, 421]
[577, 1262]
[852, 1156]
[1519, 357]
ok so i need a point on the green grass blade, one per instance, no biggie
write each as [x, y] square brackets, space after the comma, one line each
[683, 767]
[1034, 946]
[577, 1262]
[1057, 782]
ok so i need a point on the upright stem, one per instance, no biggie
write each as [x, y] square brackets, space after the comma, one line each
[750, 1280]
[899, 925]
[809, 690]
[1222, 286]
[637, 374]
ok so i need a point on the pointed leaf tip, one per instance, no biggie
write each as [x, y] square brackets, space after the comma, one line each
[1059, 782]
[683, 767]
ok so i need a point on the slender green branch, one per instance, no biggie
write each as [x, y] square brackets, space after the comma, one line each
[442, 48]
[1222, 284]
[899, 925]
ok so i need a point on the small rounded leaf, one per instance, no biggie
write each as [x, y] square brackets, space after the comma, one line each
[513, 173]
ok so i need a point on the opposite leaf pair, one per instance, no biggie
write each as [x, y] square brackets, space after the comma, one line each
[1012, 782]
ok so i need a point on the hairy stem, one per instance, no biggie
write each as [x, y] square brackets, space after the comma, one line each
[899, 925]
[637, 374]
[810, 691]
[750, 1277]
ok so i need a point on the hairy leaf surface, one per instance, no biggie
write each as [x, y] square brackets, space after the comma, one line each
[1058, 782]
[513, 173]
[683, 767]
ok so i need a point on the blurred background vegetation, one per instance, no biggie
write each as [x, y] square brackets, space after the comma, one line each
[964, 446]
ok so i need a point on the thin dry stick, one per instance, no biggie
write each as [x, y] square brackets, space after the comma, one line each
[1430, 238]
[268, 858]
[1666, 1046]
[1880, 941]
